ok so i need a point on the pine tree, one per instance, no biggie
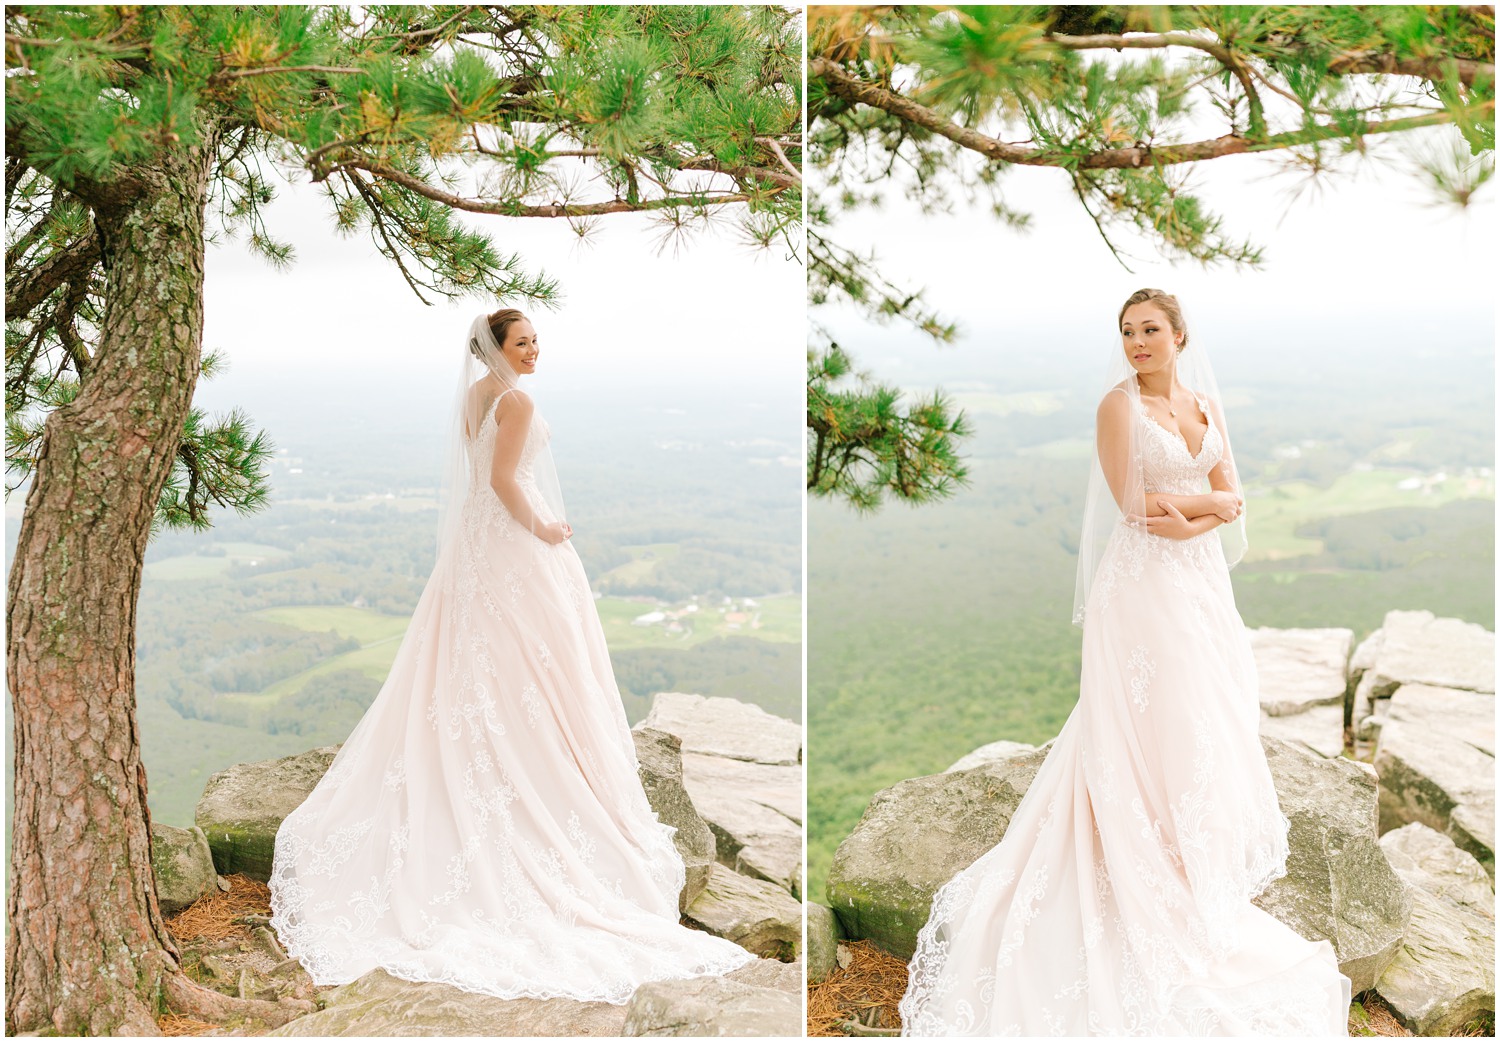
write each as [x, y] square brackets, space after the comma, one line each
[131, 134]
[944, 102]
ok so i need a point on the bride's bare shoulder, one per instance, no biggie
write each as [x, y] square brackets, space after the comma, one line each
[512, 399]
[1116, 399]
[1114, 410]
[513, 405]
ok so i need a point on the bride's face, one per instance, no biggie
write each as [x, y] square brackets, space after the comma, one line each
[521, 347]
[1148, 338]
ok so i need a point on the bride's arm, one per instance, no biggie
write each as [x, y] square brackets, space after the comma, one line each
[1112, 442]
[1173, 525]
[513, 420]
[1191, 506]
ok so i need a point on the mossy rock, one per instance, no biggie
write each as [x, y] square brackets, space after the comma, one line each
[913, 838]
[242, 808]
[183, 865]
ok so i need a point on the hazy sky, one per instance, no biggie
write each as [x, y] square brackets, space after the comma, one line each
[342, 321]
[1367, 260]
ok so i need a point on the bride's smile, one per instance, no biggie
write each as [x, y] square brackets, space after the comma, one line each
[522, 347]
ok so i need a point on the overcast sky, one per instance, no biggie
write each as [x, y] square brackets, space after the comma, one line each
[1368, 257]
[342, 321]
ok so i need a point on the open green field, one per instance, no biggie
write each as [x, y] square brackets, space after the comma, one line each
[1277, 512]
[378, 633]
[200, 566]
[362, 624]
[776, 619]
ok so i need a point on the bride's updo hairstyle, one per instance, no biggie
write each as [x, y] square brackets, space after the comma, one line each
[500, 321]
[1161, 299]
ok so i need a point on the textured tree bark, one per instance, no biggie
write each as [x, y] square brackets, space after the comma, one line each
[87, 951]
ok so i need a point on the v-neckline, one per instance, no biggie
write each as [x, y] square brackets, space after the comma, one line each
[1208, 419]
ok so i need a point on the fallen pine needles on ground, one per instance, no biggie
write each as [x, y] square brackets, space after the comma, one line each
[861, 998]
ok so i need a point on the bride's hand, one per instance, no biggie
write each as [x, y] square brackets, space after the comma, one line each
[555, 532]
[1172, 524]
[1228, 506]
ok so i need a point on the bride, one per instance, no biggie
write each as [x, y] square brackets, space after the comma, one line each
[484, 824]
[1118, 901]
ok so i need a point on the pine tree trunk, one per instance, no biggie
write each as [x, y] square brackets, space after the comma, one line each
[86, 948]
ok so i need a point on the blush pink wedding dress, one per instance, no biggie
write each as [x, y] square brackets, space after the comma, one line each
[1118, 901]
[484, 825]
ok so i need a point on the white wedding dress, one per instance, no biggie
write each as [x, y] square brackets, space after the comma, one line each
[1118, 901]
[484, 824]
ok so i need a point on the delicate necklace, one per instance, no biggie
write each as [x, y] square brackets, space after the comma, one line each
[1167, 401]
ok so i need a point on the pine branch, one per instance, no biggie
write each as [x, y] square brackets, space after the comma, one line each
[507, 208]
[1380, 62]
[844, 85]
[1467, 69]
[775, 148]
[70, 264]
[224, 75]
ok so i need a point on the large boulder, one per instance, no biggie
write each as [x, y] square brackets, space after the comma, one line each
[712, 1007]
[755, 813]
[1444, 975]
[726, 727]
[758, 916]
[770, 973]
[183, 865]
[243, 806]
[1318, 729]
[660, 758]
[380, 1004]
[1430, 772]
[919, 833]
[1416, 647]
[742, 768]
[989, 753]
[1339, 884]
[913, 838]
[1301, 668]
[1464, 716]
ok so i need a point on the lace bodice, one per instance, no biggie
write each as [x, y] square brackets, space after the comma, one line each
[1168, 465]
[482, 506]
[483, 455]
